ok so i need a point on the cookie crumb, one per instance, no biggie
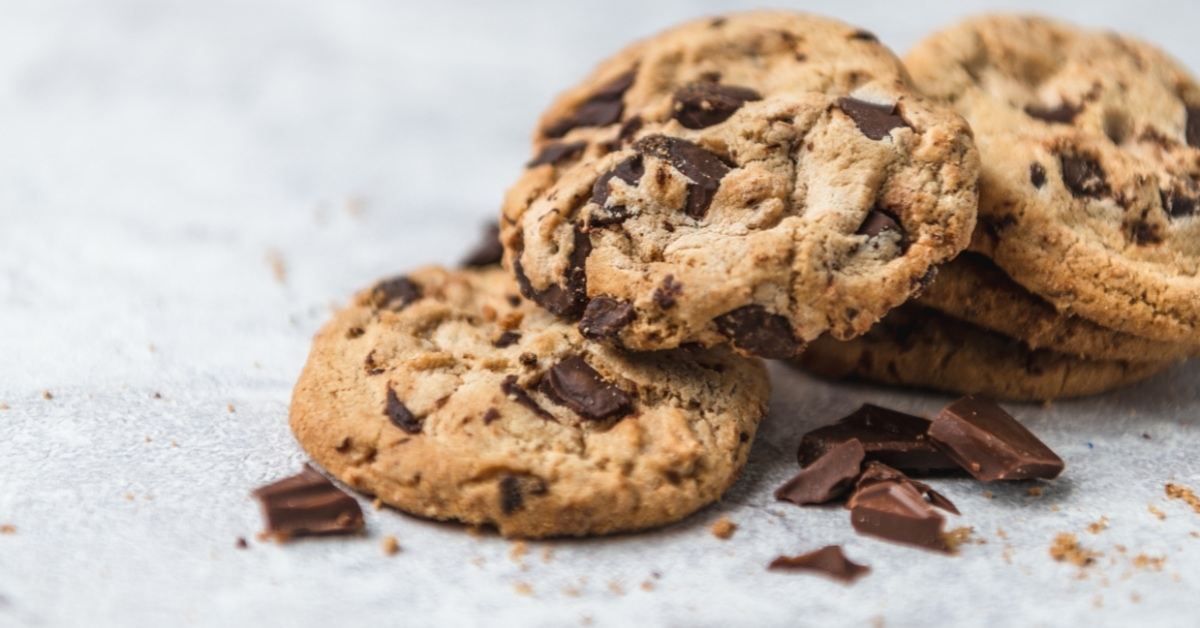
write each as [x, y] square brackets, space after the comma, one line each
[174, 443]
[390, 545]
[1154, 510]
[241, 543]
[723, 528]
[616, 588]
[1096, 527]
[878, 622]
[1142, 561]
[1175, 491]
[356, 206]
[519, 549]
[570, 592]
[1134, 597]
[1001, 533]
[148, 439]
[647, 585]
[547, 554]
[1066, 548]
[377, 504]
[278, 268]
[957, 537]
[3, 406]
[523, 589]
[1035, 491]
[229, 408]
[988, 495]
[1054, 507]
[46, 395]
[8, 528]
[129, 496]
[157, 395]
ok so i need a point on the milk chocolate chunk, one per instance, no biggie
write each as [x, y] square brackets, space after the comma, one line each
[1193, 127]
[557, 152]
[827, 561]
[307, 503]
[704, 169]
[570, 298]
[875, 121]
[990, 444]
[489, 251]
[513, 390]
[753, 329]
[394, 294]
[399, 414]
[602, 109]
[893, 438]
[575, 384]
[1037, 175]
[605, 317]
[700, 105]
[876, 472]
[1083, 176]
[826, 478]
[895, 511]
[1062, 114]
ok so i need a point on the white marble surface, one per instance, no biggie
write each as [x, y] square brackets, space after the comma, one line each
[157, 156]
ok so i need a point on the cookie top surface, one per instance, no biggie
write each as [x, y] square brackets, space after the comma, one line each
[448, 396]
[757, 179]
[1090, 144]
[920, 347]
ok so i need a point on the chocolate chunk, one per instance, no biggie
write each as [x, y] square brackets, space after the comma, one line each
[557, 152]
[895, 511]
[575, 384]
[1083, 176]
[1062, 114]
[1147, 233]
[1180, 203]
[491, 415]
[628, 129]
[827, 561]
[864, 36]
[703, 168]
[567, 300]
[876, 472]
[1037, 175]
[630, 171]
[489, 251]
[878, 221]
[394, 294]
[875, 121]
[528, 359]
[514, 391]
[307, 503]
[602, 109]
[826, 478]
[1193, 127]
[605, 317]
[399, 414]
[700, 105]
[753, 329]
[664, 295]
[507, 339]
[990, 444]
[893, 438]
[514, 489]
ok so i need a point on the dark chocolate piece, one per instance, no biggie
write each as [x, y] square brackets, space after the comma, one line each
[1192, 124]
[878, 221]
[575, 384]
[605, 317]
[602, 109]
[399, 414]
[862, 35]
[827, 561]
[1037, 175]
[895, 511]
[875, 121]
[703, 168]
[567, 300]
[394, 294]
[1179, 203]
[491, 415]
[507, 339]
[893, 438]
[1083, 176]
[307, 503]
[514, 489]
[826, 478]
[630, 171]
[664, 295]
[556, 152]
[875, 472]
[753, 329]
[489, 251]
[514, 391]
[700, 105]
[1063, 114]
[990, 444]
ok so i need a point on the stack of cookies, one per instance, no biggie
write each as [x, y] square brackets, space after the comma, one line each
[1082, 273]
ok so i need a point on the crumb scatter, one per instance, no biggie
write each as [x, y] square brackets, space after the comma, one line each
[723, 528]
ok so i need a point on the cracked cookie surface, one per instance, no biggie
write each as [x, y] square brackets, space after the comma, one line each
[756, 179]
[448, 396]
[1090, 145]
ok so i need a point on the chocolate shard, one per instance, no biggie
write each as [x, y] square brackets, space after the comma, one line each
[879, 221]
[489, 251]
[507, 339]
[578, 386]
[630, 171]
[557, 152]
[862, 35]
[394, 294]
[875, 121]
[570, 298]
[514, 489]
[1192, 125]
[307, 503]
[513, 391]
[700, 105]
[1037, 175]
[1064, 113]
[990, 444]
[827, 561]
[876, 472]
[895, 511]
[826, 478]
[754, 330]
[602, 109]
[399, 415]
[1180, 203]
[704, 169]
[894, 438]
[605, 317]
[1084, 176]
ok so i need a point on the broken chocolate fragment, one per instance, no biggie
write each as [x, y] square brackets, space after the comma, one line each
[893, 438]
[567, 300]
[874, 120]
[491, 415]
[1179, 203]
[489, 251]
[700, 105]
[507, 339]
[394, 294]
[399, 414]
[602, 109]
[557, 152]
[605, 317]
[826, 478]
[514, 489]
[876, 472]
[514, 391]
[1083, 176]
[630, 171]
[754, 330]
[307, 503]
[990, 444]
[1192, 132]
[575, 384]
[1037, 175]
[703, 168]
[879, 221]
[895, 511]
[827, 561]
[1062, 114]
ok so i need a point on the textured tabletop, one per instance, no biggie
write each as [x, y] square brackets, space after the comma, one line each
[187, 188]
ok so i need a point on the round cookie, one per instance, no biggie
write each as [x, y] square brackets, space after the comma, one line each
[448, 396]
[971, 288]
[1090, 144]
[918, 346]
[757, 179]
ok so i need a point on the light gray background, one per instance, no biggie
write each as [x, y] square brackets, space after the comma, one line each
[155, 157]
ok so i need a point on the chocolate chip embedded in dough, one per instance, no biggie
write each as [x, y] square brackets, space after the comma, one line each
[879, 221]
[570, 298]
[862, 35]
[491, 415]
[875, 121]
[700, 105]
[1179, 203]
[514, 489]
[395, 294]
[754, 330]
[703, 168]
[556, 153]
[514, 391]
[399, 414]
[602, 109]
[575, 384]
[1193, 127]
[1083, 176]
[605, 317]
[507, 339]
[664, 295]
[1062, 114]
[630, 171]
[1037, 175]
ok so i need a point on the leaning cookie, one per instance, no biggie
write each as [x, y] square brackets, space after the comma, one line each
[920, 347]
[757, 179]
[1090, 144]
[448, 396]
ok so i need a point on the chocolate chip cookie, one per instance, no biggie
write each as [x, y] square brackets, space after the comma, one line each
[449, 396]
[757, 179]
[1090, 145]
